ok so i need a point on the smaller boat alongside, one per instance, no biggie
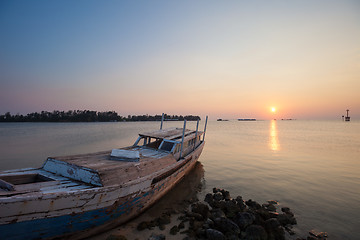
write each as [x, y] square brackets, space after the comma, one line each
[82, 195]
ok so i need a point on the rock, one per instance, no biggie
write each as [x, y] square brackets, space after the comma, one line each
[116, 237]
[226, 195]
[240, 202]
[215, 190]
[212, 234]
[201, 208]
[230, 208]
[273, 214]
[285, 209]
[288, 228]
[274, 229]
[209, 198]
[226, 226]
[218, 196]
[156, 237]
[273, 202]
[164, 219]
[174, 230]
[141, 226]
[195, 225]
[196, 216]
[269, 207]
[208, 223]
[255, 232]
[286, 219]
[162, 227]
[181, 225]
[216, 213]
[319, 235]
[244, 219]
[252, 204]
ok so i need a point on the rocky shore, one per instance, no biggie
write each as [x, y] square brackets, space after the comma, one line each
[221, 217]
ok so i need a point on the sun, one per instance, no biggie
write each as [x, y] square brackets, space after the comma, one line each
[273, 110]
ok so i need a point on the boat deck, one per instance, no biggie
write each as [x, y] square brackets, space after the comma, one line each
[106, 171]
[52, 184]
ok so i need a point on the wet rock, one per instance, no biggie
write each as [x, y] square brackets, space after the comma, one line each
[269, 207]
[215, 190]
[208, 224]
[288, 228]
[116, 237]
[273, 214]
[216, 213]
[209, 198]
[218, 196]
[318, 235]
[201, 208]
[255, 232]
[274, 229]
[174, 230]
[156, 237]
[244, 219]
[286, 219]
[252, 204]
[287, 211]
[240, 202]
[226, 195]
[196, 216]
[226, 226]
[213, 234]
[230, 208]
[273, 202]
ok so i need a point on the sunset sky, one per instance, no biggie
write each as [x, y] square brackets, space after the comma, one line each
[226, 59]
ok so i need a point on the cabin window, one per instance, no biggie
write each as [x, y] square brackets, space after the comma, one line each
[25, 179]
[177, 148]
[166, 146]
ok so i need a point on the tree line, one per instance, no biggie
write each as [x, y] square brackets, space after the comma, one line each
[88, 116]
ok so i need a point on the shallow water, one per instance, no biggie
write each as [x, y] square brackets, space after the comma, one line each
[310, 166]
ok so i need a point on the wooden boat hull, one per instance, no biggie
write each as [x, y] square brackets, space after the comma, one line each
[90, 211]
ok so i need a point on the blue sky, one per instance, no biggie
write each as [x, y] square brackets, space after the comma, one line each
[228, 59]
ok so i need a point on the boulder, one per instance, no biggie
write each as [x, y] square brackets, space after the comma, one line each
[156, 237]
[274, 229]
[244, 219]
[201, 208]
[226, 226]
[212, 234]
[255, 232]
[252, 204]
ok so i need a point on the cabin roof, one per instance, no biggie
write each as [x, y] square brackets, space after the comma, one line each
[169, 133]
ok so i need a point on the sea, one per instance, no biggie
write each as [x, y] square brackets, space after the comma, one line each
[312, 167]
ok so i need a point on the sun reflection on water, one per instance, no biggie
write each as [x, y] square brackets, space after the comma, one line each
[273, 138]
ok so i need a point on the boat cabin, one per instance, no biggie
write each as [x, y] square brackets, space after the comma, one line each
[170, 140]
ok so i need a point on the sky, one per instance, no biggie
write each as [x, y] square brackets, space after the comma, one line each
[225, 59]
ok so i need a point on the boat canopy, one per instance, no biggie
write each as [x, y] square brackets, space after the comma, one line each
[170, 133]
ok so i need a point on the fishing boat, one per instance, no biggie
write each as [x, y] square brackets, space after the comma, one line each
[83, 195]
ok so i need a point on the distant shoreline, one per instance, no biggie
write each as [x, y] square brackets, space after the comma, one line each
[89, 116]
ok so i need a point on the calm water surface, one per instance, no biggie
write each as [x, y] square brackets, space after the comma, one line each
[310, 166]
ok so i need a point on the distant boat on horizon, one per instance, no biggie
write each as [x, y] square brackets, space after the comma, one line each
[247, 119]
